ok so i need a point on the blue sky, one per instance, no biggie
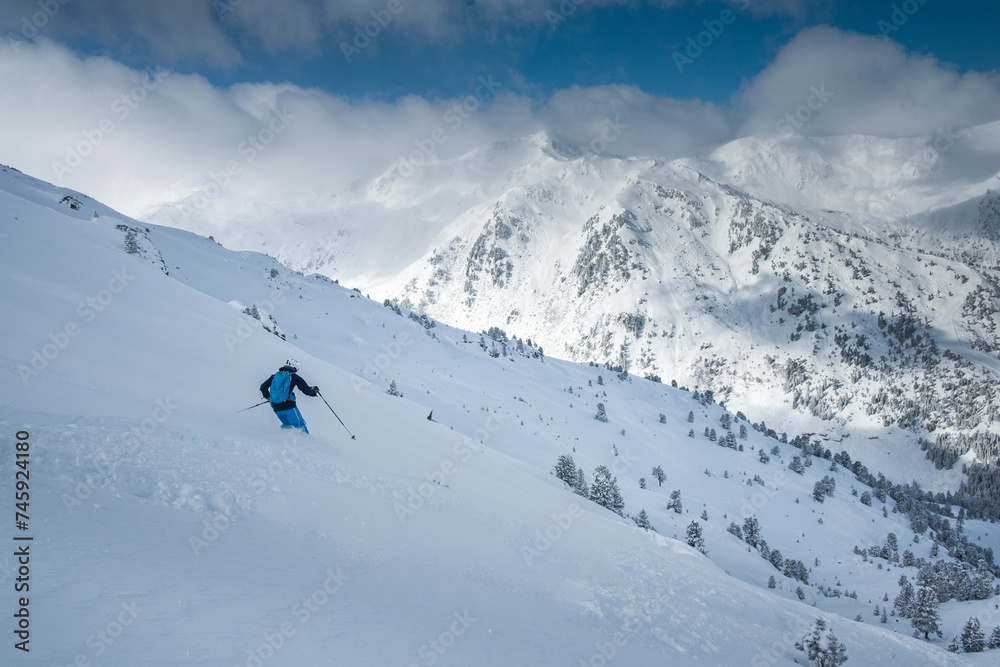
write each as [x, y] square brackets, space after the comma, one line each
[438, 48]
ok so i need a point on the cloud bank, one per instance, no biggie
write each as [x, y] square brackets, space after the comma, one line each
[139, 139]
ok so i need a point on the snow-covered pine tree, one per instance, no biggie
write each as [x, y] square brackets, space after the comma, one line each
[751, 530]
[605, 492]
[973, 639]
[994, 640]
[675, 501]
[690, 417]
[642, 482]
[955, 645]
[663, 418]
[735, 529]
[601, 415]
[659, 475]
[695, 538]
[903, 604]
[566, 469]
[581, 487]
[796, 465]
[764, 458]
[925, 613]
[131, 243]
[822, 647]
[642, 520]
[771, 583]
[392, 390]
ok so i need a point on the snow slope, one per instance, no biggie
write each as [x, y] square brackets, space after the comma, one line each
[686, 269]
[171, 529]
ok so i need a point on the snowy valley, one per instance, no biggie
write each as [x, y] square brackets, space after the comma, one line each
[169, 528]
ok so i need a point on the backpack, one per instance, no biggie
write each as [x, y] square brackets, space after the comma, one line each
[281, 387]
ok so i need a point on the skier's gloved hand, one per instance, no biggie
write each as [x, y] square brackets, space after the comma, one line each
[316, 389]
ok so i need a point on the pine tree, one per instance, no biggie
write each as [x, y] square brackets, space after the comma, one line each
[751, 530]
[642, 520]
[973, 639]
[819, 492]
[601, 415]
[392, 390]
[131, 243]
[822, 647]
[796, 465]
[704, 515]
[764, 458]
[771, 583]
[690, 417]
[955, 645]
[866, 499]
[659, 475]
[885, 617]
[925, 615]
[581, 487]
[605, 492]
[694, 537]
[994, 641]
[904, 601]
[743, 432]
[735, 529]
[776, 559]
[663, 418]
[675, 501]
[566, 469]
[642, 482]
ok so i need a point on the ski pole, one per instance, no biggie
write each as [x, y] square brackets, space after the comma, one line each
[336, 415]
[251, 407]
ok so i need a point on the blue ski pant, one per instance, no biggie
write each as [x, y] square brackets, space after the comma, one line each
[292, 419]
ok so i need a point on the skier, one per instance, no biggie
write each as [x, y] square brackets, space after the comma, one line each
[278, 389]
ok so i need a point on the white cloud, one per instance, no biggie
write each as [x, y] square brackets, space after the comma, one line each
[162, 144]
[60, 109]
[870, 85]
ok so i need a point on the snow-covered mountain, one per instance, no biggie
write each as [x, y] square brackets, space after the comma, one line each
[168, 528]
[842, 283]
